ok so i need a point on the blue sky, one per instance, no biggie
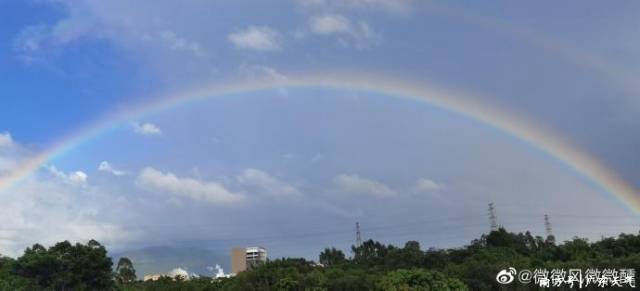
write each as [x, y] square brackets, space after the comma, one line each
[305, 164]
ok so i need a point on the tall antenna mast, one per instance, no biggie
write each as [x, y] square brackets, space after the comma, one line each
[358, 236]
[547, 225]
[547, 229]
[493, 219]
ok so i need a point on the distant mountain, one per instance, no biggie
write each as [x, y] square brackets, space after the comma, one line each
[162, 259]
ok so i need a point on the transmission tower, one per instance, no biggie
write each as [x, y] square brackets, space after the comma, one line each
[358, 236]
[547, 229]
[547, 225]
[493, 219]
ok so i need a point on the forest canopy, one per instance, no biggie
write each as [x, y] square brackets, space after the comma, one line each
[369, 266]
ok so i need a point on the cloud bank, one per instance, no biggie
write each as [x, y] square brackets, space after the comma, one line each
[355, 184]
[146, 128]
[267, 184]
[215, 193]
[259, 38]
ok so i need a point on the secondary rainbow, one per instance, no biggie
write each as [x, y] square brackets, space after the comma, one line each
[467, 105]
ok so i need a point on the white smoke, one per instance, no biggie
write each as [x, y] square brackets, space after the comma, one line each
[219, 272]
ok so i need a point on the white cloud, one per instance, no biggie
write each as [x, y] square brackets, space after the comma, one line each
[30, 38]
[267, 184]
[251, 72]
[11, 153]
[77, 178]
[6, 140]
[274, 74]
[150, 32]
[48, 211]
[7, 163]
[427, 185]
[40, 38]
[146, 128]
[177, 43]
[261, 38]
[211, 192]
[360, 33]
[330, 24]
[392, 6]
[107, 167]
[48, 206]
[357, 185]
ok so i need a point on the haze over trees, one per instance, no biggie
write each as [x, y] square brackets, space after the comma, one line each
[370, 266]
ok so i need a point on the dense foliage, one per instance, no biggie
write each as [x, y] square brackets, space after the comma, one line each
[61, 267]
[125, 272]
[371, 266]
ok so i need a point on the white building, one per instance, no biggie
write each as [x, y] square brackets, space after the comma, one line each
[243, 259]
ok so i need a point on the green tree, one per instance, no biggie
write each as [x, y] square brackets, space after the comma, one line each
[350, 278]
[370, 253]
[419, 280]
[66, 267]
[286, 284]
[435, 258]
[10, 281]
[331, 257]
[125, 272]
[375, 266]
[411, 256]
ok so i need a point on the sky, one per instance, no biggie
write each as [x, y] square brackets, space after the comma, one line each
[293, 168]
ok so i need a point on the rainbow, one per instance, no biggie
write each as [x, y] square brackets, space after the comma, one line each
[472, 107]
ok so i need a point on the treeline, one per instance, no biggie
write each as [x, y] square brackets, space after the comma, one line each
[370, 266]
